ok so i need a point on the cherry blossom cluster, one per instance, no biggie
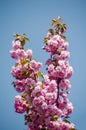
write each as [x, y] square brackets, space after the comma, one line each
[44, 101]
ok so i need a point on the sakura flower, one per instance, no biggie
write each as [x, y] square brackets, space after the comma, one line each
[14, 54]
[35, 66]
[62, 56]
[65, 84]
[16, 44]
[28, 53]
[20, 105]
[45, 100]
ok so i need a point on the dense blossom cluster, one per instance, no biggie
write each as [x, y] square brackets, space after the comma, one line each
[45, 103]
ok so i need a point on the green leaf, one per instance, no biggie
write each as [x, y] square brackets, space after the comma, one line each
[40, 74]
[63, 37]
[67, 117]
[64, 26]
[53, 22]
[23, 61]
[51, 31]
[22, 42]
[24, 94]
[56, 21]
[65, 120]
[21, 37]
[46, 39]
[58, 24]
[54, 118]
[36, 76]
[26, 39]
[27, 118]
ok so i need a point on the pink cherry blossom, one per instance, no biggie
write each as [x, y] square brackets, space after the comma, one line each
[14, 54]
[20, 105]
[65, 46]
[16, 44]
[44, 98]
[28, 53]
[35, 66]
[65, 84]
[63, 55]
[64, 70]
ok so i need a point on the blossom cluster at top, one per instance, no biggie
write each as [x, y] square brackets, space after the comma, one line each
[45, 103]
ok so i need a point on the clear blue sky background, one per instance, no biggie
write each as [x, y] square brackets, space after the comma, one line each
[33, 17]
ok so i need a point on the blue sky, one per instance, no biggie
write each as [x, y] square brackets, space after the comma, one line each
[33, 17]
